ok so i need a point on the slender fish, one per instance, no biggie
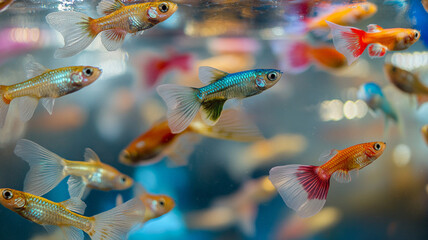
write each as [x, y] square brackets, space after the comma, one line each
[372, 95]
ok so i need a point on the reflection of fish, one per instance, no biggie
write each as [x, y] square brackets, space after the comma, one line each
[47, 170]
[372, 94]
[304, 188]
[184, 102]
[153, 145]
[44, 85]
[80, 30]
[352, 42]
[112, 224]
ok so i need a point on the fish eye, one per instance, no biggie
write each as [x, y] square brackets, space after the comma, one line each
[416, 35]
[7, 194]
[123, 179]
[394, 68]
[163, 7]
[272, 76]
[162, 202]
[88, 72]
[376, 146]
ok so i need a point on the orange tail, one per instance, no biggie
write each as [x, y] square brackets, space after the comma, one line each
[4, 105]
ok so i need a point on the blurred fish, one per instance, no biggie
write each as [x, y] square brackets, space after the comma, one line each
[372, 94]
[184, 102]
[68, 117]
[304, 188]
[352, 42]
[47, 170]
[239, 208]
[45, 85]
[112, 224]
[16, 41]
[4, 4]
[424, 131]
[297, 57]
[158, 142]
[80, 30]
[233, 45]
[265, 153]
[152, 67]
[400, 6]
[407, 82]
[425, 4]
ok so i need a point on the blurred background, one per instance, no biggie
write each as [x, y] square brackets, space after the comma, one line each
[223, 192]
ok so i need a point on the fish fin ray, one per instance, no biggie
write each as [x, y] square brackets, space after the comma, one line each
[75, 204]
[183, 105]
[300, 187]
[48, 103]
[33, 68]
[50, 228]
[324, 157]
[72, 233]
[27, 106]
[377, 50]
[91, 156]
[209, 75]
[76, 186]
[211, 111]
[342, 176]
[106, 7]
[113, 39]
[75, 28]
[46, 168]
[182, 148]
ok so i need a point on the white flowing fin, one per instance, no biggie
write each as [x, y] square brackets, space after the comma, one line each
[48, 103]
[51, 228]
[106, 7]
[209, 75]
[72, 233]
[117, 222]
[33, 68]
[183, 105]
[326, 156]
[86, 193]
[342, 176]
[46, 168]
[91, 156]
[76, 187]
[26, 106]
[112, 39]
[74, 204]
[182, 148]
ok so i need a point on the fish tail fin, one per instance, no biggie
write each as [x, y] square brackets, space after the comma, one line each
[232, 125]
[348, 41]
[4, 106]
[77, 30]
[301, 188]
[46, 168]
[296, 57]
[183, 105]
[115, 223]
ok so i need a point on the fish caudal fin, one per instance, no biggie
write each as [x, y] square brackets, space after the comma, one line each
[4, 106]
[117, 222]
[296, 58]
[348, 41]
[75, 28]
[46, 168]
[183, 105]
[301, 188]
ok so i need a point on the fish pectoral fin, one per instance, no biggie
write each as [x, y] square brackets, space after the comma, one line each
[342, 176]
[112, 39]
[72, 233]
[209, 75]
[105, 7]
[372, 28]
[377, 50]
[74, 204]
[48, 103]
[76, 186]
[325, 156]
[91, 156]
[182, 148]
[50, 228]
[211, 111]
[33, 68]
[26, 106]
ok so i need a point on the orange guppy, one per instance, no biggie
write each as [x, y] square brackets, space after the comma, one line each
[304, 188]
[80, 30]
[112, 224]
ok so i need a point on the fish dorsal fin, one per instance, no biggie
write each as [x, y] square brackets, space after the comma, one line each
[74, 204]
[342, 176]
[105, 7]
[209, 75]
[33, 68]
[91, 156]
[139, 190]
[324, 157]
[372, 28]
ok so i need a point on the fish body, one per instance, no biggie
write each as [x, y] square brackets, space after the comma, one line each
[304, 188]
[404, 80]
[352, 42]
[67, 215]
[424, 131]
[47, 170]
[46, 85]
[159, 141]
[80, 30]
[372, 95]
[184, 102]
